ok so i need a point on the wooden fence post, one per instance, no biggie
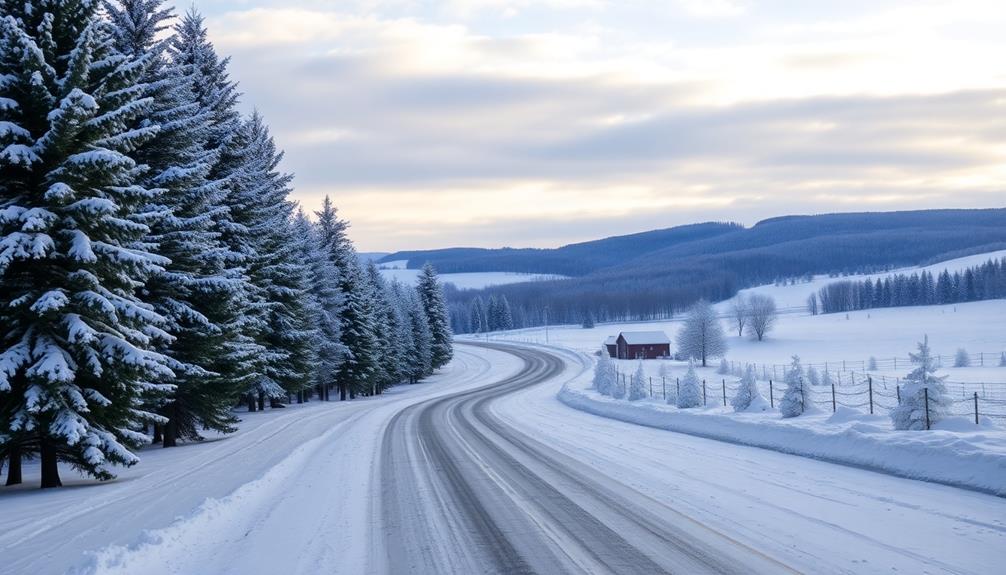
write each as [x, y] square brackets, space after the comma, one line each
[833, 398]
[898, 389]
[677, 387]
[925, 391]
[724, 393]
[651, 386]
[663, 385]
[771, 400]
[869, 381]
[976, 408]
[703, 393]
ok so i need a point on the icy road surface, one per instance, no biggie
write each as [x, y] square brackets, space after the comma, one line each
[486, 472]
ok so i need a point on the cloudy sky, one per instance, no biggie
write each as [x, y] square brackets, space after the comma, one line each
[543, 122]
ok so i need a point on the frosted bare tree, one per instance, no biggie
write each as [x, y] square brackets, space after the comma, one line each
[702, 335]
[739, 313]
[761, 315]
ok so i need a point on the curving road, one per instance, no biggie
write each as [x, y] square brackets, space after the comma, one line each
[465, 492]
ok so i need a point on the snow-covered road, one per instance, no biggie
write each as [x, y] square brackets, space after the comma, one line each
[484, 470]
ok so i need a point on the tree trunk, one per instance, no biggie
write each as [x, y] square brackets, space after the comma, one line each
[50, 467]
[14, 466]
[352, 393]
[342, 392]
[261, 401]
[157, 433]
[251, 403]
[170, 433]
[300, 396]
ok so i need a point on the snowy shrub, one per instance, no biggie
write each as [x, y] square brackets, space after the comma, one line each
[1002, 359]
[724, 368]
[748, 397]
[617, 387]
[794, 401]
[637, 387]
[872, 364]
[604, 373]
[911, 412]
[961, 358]
[702, 335]
[690, 394]
[813, 378]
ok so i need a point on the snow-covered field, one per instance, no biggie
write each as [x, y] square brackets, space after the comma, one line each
[825, 518]
[474, 280]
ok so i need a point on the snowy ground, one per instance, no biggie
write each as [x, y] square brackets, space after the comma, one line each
[474, 280]
[823, 518]
[295, 491]
[309, 463]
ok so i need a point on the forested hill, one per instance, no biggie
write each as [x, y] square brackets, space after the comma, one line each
[810, 234]
[654, 274]
[570, 260]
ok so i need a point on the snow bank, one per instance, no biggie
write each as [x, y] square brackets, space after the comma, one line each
[970, 457]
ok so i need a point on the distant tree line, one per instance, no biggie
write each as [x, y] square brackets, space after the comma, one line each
[981, 282]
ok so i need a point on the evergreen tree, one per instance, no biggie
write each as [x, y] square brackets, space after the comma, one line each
[604, 372]
[196, 289]
[478, 316]
[326, 304]
[421, 353]
[78, 343]
[637, 386]
[872, 364]
[431, 294]
[1002, 359]
[690, 392]
[748, 397]
[504, 321]
[702, 335]
[826, 378]
[617, 387]
[920, 383]
[794, 400]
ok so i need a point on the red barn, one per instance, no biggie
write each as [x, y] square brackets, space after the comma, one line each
[642, 345]
[611, 344]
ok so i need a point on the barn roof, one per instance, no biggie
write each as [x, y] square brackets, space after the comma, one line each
[612, 340]
[645, 337]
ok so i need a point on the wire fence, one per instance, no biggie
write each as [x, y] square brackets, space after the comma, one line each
[981, 359]
[971, 400]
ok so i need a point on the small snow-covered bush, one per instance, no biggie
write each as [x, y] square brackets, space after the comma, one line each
[961, 358]
[813, 378]
[746, 392]
[604, 373]
[911, 413]
[872, 364]
[637, 387]
[1002, 359]
[826, 378]
[618, 387]
[724, 368]
[690, 394]
[794, 399]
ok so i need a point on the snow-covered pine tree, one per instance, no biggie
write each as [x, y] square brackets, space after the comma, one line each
[637, 386]
[191, 52]
[1002, 359]
[911, 413]
[962, 358]
[505, 319]
[421, 353]
[813, 377]
[77, 346]
[431, 294]
[794, 399]
[748, 396]
[492, 313]
[701, 337]
[724, 367]
[690, 392]
[604, 372]
[477, 310]
[196, 290]
[872, 364]
[359, 339]
[391, 353]
[277, 277]
[325, 305]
